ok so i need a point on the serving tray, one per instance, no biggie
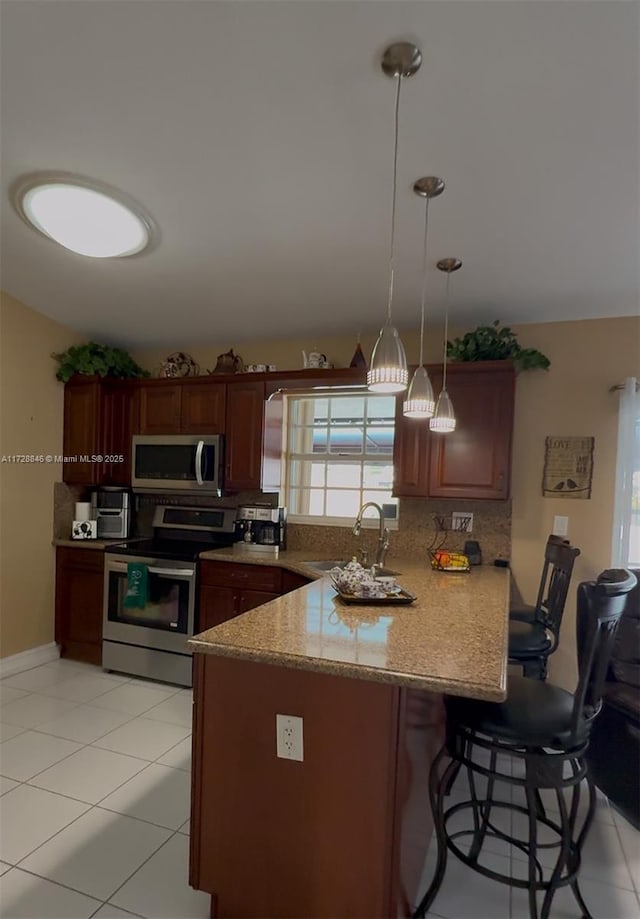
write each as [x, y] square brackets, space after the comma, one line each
[399, 598]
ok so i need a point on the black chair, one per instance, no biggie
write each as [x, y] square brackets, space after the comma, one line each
[524, 612]
[544, 730]
[532, 642]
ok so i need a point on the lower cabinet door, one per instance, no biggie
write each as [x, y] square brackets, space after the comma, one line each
[217, 604]
[79, 592]
[249, 599]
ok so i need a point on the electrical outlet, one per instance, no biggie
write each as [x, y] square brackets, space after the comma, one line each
[289, 737]
[461, 522]
[560, 526]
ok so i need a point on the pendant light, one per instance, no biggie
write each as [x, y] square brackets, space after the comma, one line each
[388, 370]
[419, 402]
[444, 419]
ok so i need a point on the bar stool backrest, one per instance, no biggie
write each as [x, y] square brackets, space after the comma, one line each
[559, 559]
[600, 607]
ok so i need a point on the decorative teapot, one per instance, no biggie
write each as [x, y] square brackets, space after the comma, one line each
[229, 363]
[314, 359]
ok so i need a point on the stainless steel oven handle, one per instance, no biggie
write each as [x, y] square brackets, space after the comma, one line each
[199, 450]
[167, 572]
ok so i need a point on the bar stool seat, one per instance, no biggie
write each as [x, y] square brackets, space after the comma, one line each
[528, 639]
[535, 714]
[522, 613]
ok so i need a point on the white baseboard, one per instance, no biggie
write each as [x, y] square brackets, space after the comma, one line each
[26, 660]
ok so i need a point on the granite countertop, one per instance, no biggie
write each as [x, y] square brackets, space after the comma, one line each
[453, 639]
[86, 543]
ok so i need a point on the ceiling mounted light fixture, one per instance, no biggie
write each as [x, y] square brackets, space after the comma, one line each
[87, 217]
[388, 371]
[444, 419]
[419, 402]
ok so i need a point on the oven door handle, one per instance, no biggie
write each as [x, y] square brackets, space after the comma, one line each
[199, 450]
[166, 572]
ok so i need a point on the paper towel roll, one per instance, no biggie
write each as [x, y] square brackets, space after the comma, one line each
[83, 510]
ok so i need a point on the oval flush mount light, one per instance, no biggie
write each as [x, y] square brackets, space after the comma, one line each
[87, 217]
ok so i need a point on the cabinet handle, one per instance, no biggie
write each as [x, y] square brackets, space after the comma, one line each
[239, 575]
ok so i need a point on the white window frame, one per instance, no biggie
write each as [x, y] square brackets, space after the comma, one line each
[370, 520]
[625, 519]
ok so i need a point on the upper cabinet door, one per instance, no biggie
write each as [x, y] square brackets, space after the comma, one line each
[243, 440]
[82, 420]
[118, 424]
[159, 408]
[203, 408]
[474, 461]
[410, 454]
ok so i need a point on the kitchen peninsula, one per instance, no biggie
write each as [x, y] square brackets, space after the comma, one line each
[343, 833]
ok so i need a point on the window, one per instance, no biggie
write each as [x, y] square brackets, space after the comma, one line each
[339, 455]
[626, 528]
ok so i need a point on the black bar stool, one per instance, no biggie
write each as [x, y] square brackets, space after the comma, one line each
[524, 612]
[544, 730]
[532, 642]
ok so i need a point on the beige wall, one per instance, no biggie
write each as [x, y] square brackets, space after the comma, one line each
[30, 423]
[573, 397]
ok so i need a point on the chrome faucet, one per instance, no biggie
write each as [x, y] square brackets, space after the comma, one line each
[383, 534]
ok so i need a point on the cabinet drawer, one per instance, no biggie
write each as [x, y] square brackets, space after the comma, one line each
[230, 574]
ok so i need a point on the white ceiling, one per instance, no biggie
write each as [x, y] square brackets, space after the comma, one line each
[259, 135]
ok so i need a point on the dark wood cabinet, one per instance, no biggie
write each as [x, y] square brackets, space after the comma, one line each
[181, 407]
[292, 581]
[229, 589]
[249, 599]
[359, 799]
[82, 426]
[159, 408]
[78, 603]
[474, 461]
[203, 408]
[217, 604]
[243, 437]
[119, 406]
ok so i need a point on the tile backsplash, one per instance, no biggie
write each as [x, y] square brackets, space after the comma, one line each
[416, 532]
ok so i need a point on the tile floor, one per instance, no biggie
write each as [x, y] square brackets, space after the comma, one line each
[94, 779]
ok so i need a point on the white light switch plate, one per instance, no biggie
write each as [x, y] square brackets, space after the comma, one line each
[560, 526]
[289, 743]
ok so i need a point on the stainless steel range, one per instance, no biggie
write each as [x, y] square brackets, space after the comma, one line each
[149, 638]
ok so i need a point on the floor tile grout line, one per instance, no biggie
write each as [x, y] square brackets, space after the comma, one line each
[626, 858]
[160, 826]
[41, 877]
[140, 867]
[147, 763]
[91, 743]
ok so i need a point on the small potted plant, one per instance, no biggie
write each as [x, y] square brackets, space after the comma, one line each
[93, 359]
[491, 343]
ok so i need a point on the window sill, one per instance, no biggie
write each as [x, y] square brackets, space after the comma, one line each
[345, 522]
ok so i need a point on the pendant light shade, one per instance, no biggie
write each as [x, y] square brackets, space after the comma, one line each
[388, 372]
[444, 419]
[388, 369]
[419, 402]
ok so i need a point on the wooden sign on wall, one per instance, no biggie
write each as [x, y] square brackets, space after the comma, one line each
[568, 467]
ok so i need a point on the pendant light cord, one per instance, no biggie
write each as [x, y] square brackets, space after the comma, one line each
[393, 199]
[424, 280]
[446, 333]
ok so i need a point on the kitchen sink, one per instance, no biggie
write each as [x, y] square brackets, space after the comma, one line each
[327, 565]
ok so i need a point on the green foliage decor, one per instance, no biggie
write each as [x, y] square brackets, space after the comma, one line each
[491, 343]
[94, 359]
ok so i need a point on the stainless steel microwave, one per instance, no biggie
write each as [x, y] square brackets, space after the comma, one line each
[177, 463]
